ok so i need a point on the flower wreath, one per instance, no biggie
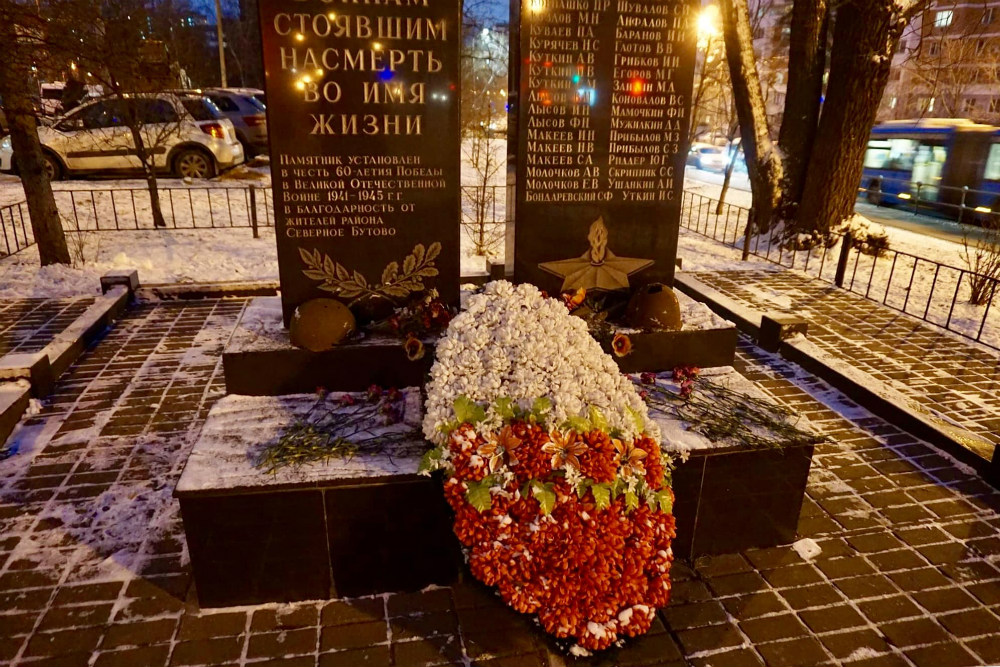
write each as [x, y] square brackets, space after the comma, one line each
[553, 467]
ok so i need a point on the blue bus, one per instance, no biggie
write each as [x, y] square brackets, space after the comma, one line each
[946, 166]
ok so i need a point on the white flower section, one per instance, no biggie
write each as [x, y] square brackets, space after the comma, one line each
[513, 342]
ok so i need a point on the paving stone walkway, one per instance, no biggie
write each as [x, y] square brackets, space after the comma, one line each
[938, 370]
[28, 325]
[94, 570]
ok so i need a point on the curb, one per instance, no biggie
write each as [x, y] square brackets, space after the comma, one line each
[880, 399]
[41, 369]
[14, 400]
[183, 292]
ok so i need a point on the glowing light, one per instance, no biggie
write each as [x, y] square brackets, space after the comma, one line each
[576, 78]
[708, 24]
[377, 46]
[903, 195]
[331, 15]
[319, 72]
[300, 85]
[299, 37]
[637, 86]
[983, 209]
[306, 78]
[72, 66]
[536, 6]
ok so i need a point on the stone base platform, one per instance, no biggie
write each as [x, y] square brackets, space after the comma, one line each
[260, 360]
[343, 528]
[369, 524]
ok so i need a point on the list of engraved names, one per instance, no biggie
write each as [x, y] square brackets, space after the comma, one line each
[604, 115]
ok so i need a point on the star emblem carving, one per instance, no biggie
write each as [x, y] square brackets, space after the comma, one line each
[598, 268]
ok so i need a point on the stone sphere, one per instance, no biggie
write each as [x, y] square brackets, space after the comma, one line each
[320, 324]
[654, 306]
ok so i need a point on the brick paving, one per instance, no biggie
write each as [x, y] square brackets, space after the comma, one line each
[93, 567]
[28, 325]
[938, 370]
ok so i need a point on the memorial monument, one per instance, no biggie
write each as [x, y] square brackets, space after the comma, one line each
[363, 107]
[598, 136]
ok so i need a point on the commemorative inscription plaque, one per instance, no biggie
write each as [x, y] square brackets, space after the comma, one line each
[602, 108]
[363, 102]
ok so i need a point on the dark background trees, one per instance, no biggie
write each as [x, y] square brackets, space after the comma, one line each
[21, 35]
[839, 57]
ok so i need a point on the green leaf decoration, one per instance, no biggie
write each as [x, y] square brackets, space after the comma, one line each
[478, 494]
[505, 407]
[637, 420]
[541, 407]
[617, 487]
[665, 501]
[431, 460]
[631, 501]
[581, 488]
[545, 496]
[448, 427]
[602, 495]
[597, 418]
[578, 424]
[468, 411]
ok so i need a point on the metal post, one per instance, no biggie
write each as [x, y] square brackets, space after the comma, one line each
[916, 200]
[253, 211]
[222, 42]
[746, 236]
[845, 252]
[961, 206]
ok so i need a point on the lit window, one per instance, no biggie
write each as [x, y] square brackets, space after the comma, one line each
[943, 18]
[892, 102]
[995, 105]
[968, 105]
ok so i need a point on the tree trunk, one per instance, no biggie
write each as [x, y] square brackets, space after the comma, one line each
[865, 36]
[726, 178]
[16, 90]
[807, 63]
[149, 170]
[763, 164]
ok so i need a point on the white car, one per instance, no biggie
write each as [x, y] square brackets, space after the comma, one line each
[187, 136]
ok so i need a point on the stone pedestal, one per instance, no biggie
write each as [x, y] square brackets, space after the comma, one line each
[345, 527]
[259, 359]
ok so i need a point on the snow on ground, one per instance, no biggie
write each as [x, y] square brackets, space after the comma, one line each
[174, 256]
[904, 278]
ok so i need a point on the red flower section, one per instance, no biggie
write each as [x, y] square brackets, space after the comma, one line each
[590, 574]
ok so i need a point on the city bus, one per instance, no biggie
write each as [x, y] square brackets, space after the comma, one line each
[946, 166]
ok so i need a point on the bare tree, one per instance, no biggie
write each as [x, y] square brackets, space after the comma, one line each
[810, 184]
[484, 78]
[20, 33]
[951, 69]
[981, 255]
[119, 49]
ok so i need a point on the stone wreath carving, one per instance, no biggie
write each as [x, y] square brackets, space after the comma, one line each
[397, 281]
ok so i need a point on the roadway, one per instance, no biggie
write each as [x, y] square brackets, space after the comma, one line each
[896, 217]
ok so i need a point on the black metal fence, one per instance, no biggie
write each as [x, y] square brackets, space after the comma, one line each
[15, 229]
[951, 297]
[963, 204]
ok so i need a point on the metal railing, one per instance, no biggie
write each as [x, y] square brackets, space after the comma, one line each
[935, 292]
[964, 204]
[15, 229]
[247, 206]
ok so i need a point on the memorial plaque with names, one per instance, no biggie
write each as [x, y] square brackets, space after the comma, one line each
[601, 117]
[362, 105]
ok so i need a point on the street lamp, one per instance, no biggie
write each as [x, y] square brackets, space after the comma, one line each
[707, 25]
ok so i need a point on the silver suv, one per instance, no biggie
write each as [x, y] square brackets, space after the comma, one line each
[186, 136]
[246, 109]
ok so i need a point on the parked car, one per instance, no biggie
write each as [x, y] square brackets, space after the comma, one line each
[51, 97]
[709, 158]
[187, 136]
[245, 107]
